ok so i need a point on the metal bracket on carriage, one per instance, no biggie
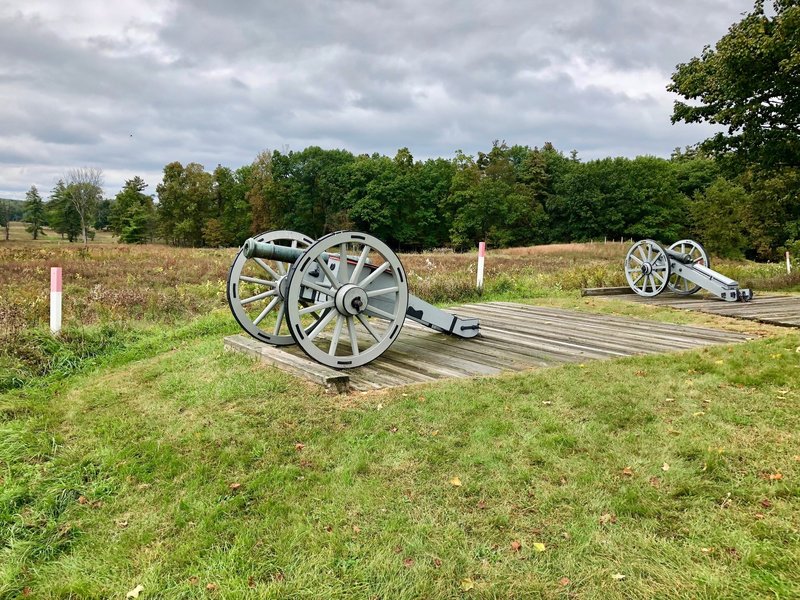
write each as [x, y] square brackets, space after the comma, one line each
[683, 268]
[343, 298]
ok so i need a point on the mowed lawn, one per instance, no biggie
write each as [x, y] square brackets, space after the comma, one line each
[195, 473]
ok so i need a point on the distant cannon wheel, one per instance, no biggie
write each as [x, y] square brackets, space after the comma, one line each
[678, 284]
[256, 290]
[647, 268]
[360, 281]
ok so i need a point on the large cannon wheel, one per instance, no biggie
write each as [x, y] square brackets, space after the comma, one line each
[256, 288]
[647, 268]
[366, 296]
[679, 284]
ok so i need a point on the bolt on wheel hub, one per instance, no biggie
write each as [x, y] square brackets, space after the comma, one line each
[351, 300]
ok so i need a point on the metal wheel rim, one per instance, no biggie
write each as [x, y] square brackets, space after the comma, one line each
[340, 340]
[647, 268]
[681, 285]
[251, 314]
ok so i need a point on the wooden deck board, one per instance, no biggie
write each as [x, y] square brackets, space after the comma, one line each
[514, 337]
[772, 310]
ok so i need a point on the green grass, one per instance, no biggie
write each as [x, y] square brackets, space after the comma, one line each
[120, 472]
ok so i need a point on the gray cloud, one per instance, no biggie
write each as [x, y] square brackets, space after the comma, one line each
[132, 85]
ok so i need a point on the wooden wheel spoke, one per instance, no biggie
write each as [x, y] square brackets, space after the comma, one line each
[351, 331]
[374, 275]
[368, 327]
[380, 313]
[257, 297]
[315, 307]
[267, 268]
[360, 264]
[266, 311]
[258, 281]
[328, 273]
[337, 333]
[321, 325]
[382, 292]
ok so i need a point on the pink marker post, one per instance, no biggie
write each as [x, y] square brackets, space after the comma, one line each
[55, 299]
[481, 258]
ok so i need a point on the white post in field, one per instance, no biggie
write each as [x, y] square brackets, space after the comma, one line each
[481, 257]
[55, 299]
[788, 264]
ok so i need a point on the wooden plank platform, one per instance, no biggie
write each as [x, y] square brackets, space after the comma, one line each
[773, 310]
[514, 337]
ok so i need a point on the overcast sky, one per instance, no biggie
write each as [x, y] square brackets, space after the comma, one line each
[131, 85]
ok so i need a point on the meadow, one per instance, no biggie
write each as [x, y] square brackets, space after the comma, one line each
[137, 454]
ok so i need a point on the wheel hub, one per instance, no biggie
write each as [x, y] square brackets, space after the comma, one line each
[647, 268]
[351, 300]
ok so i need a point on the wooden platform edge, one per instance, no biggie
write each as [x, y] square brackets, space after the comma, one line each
[300, 366]
[607, 291]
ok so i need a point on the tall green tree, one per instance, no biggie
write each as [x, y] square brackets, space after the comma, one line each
[186, 202]
[5, 217]
[132, 215]
[34, 212]
[61, 213]
[749, 83]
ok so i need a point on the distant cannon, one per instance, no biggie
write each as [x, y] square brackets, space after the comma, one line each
[683, 268]
[343, 298]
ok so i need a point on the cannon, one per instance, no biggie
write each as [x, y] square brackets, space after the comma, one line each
[683, 268]
[342, 298]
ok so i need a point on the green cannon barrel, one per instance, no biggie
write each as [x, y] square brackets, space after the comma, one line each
[680, 256]
[269, 251]
[254, 249]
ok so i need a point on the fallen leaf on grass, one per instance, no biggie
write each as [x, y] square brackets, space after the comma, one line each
[408, 562]
[211, 587]
[299, 446]
[26, 591]
[564, 581]
[547, 402]
[706, 550]
[437, 562]
[235, 486]
[516, 546]
[134, 593]
[775, 476]
[699, 413]
[539, 546]
[393, 429]
[251, 583]
[655, 482]
[435, 432]
[627, 471]
[122, 524]
[766, 503]
[618, 576]
[82, 500]
[719, 362]
[758, 516]
[665, 467]
[455, 481]
[481, 504]
[467, 584]
[606, 518]
[356, 529]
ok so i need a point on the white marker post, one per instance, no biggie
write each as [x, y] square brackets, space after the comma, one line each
[788, 264]
[55, 299]
[481, 257]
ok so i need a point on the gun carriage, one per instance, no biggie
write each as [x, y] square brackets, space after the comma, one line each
[343, 298]
[683, 268]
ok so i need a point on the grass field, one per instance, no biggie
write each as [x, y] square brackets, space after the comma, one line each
[135, 452]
